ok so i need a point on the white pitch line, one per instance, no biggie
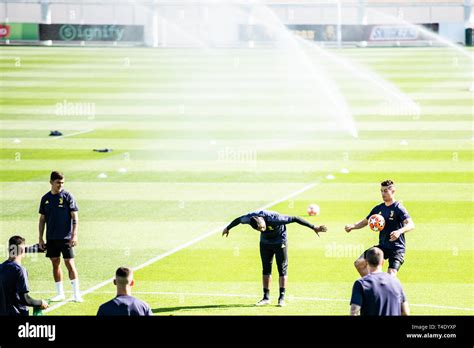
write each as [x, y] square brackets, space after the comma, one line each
[290, 297]
[309, 299]
[180, 247]
[228, 295]
[72, 134]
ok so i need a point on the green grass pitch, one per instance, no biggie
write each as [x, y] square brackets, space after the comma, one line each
[202, 137]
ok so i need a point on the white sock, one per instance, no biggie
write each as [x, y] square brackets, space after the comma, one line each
[75, 287]
[59, 288]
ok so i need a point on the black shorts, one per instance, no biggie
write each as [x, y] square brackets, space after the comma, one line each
[395, 257]
[54, 248]
[267, 251]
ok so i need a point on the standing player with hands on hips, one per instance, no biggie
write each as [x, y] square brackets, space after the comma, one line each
[392, 236]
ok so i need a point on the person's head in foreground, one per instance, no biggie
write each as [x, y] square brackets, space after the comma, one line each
[124, 304]
[14, 289]
[378, 293]
[16, 248]
[375, 259]
[124, 280]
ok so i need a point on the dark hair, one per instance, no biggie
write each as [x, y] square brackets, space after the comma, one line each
[56, 175]
[254, 222]
[387, 183]
[374, 256]
[122, 275]
[123, 272]
[14, 244]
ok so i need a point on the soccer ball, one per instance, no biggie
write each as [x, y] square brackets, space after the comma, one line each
[376, 222]
[313, 210]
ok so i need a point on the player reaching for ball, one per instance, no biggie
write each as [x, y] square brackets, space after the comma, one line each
[273, 242]
[392, 235]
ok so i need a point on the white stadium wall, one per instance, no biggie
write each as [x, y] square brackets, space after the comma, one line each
[169, 23]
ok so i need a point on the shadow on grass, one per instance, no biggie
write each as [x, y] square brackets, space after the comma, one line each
[175, 309]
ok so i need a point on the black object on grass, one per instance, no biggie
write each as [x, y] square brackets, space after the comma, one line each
[103, 150]
[55, 133]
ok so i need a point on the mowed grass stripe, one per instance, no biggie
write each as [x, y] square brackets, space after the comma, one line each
[230, 133]
[131, 60]
[221, 66]
[239, 176]
[140, 234]
[181, 110]
[235, 164]
[44, 142]
[236, 191]
[211, 125]
[107, 114]
[131, 210]
[54, 82]
[252, 71]
[305, 97]
[429, 192]
[250, 192]
[337, 243]
[226, 92]
[456, 211]
[251, 154]
[401, 154]
[108, 235]
[188, 86]
[115, 57]
[228, 61]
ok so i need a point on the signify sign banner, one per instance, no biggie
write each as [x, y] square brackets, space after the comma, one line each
[19, 31]
[77, 32]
